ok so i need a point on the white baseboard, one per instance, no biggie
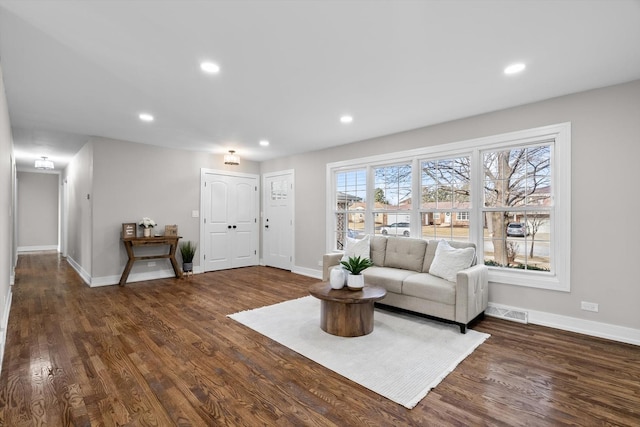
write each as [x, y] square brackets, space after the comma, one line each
[95, 282]
[587, 327]
[37, 248]
[309, 272]
[5, 324]
[78, 268]
[133, 277]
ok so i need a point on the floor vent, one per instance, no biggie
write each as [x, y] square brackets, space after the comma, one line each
[507, 314]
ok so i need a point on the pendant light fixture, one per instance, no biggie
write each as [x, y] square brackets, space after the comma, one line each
[44, 163]
[232, 158]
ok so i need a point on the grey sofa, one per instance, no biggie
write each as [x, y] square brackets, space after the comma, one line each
[401, 266]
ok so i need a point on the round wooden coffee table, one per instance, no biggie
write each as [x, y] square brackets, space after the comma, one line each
[346, 313]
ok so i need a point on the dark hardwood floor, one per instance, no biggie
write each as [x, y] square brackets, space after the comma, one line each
[163, 353]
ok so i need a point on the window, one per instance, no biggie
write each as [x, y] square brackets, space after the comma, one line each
[462, 216]
[350, 200]
[444, 189]
[392, 205]
[509, 194]
[517, 207]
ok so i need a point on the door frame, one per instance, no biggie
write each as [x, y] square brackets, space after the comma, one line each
[203, 173]
[292, 173]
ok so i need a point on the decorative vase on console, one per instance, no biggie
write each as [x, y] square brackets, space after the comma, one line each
[147, 225]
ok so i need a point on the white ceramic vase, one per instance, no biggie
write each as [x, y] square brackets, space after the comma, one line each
[336, 278]
[355, 282]
[147, 232]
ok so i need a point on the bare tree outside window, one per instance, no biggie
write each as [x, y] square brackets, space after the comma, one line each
[516, 191]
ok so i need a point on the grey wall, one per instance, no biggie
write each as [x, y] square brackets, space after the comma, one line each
[78, 179]
[605, 154]
[37, 210]
[7, 186]
[129, 181]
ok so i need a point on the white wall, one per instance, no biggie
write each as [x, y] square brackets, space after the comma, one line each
[37, 211]
[7, 188]
[605, 154]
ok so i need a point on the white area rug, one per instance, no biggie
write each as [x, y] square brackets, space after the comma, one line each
[402, 359]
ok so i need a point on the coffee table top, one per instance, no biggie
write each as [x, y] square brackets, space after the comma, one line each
[323, 291]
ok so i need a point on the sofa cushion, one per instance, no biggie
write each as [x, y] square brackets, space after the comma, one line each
[432, 245]
[356, 248]
[429, 287]
[448, 261]
[388, 278]
[378, 247]
[405, 253]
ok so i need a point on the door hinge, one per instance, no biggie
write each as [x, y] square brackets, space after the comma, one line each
[205, 183]
[205, 256]
[255, 188]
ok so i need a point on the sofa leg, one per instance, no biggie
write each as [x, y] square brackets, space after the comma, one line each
[463, 328]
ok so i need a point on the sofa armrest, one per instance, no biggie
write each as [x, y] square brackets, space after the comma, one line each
[328, 261]
[472, 292]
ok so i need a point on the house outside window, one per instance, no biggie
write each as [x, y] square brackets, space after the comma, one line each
[350, 199]
[392, 208]
[445, 195]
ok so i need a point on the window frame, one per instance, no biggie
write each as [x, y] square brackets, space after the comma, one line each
[558, 135]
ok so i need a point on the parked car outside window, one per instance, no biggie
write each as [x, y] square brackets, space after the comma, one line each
[396, 229]
[517, 229]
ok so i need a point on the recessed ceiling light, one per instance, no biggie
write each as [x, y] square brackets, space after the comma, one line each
[264, 143]
[210, 67]
[514, 68]
[145, 117]
[346, 119]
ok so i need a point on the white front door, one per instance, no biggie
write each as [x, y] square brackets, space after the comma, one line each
[230, 221]
[277, 230]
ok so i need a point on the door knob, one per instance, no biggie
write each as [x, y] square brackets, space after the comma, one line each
[234, 226]
[228, 226]
[266, 226]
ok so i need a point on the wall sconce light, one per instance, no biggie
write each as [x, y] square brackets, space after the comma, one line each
[232, 158]
[44, 163]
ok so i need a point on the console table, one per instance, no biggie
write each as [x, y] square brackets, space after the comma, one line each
[131, 243]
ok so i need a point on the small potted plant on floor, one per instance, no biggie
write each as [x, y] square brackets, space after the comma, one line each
[188, 251]
[355, 266]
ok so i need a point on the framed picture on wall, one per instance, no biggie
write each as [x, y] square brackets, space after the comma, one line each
[171, 230]
[129, 230]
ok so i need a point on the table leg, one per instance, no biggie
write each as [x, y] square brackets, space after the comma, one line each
[346, 320]
[172, 257]
[127, 269]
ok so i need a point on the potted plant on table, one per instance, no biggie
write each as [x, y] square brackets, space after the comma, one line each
[355, 266]
[188, 251]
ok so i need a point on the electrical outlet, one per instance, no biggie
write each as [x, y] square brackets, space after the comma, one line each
[151, 264]
[589, 306]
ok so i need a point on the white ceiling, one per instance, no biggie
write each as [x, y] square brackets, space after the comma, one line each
[289, 69]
